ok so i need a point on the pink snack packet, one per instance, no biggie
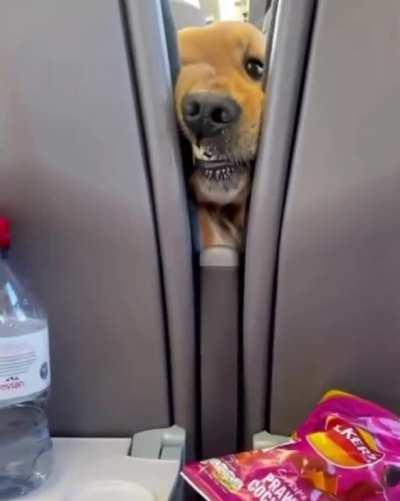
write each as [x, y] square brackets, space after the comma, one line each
[348, 449]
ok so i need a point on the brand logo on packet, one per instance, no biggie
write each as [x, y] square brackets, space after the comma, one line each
[345, 445]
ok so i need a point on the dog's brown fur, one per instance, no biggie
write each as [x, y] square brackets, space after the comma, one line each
[213, 60]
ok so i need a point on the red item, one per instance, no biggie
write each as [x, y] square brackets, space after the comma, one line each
[5, 233]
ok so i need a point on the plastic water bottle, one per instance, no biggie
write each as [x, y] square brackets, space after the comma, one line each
[26, 455]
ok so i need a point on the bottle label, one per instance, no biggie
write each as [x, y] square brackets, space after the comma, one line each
[24, 365]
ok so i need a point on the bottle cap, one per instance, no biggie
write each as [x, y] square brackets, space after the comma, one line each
[5, 233]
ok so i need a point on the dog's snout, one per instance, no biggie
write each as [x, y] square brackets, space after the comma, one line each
[206, 114]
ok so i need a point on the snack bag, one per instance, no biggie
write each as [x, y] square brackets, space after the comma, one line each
[348, 449]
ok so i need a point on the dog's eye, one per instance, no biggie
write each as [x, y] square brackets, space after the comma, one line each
[255, 68]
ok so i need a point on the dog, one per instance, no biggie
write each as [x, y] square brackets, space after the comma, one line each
[219, 98]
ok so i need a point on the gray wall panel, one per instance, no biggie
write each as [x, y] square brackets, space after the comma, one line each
[289, 47]
[72, 177]
[338, 315]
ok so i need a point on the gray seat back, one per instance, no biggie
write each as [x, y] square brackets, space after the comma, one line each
[77, 179]
[337, 312]
[321, 281]
[289, 41]
[154, 55]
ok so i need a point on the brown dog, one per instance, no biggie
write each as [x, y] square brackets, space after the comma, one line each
[219, 100]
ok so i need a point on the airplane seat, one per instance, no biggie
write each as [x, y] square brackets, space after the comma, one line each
[288, 38]
[336, 316]
[90, 175]
[321, 283]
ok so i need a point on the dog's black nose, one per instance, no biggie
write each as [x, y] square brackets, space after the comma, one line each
[206, 113]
